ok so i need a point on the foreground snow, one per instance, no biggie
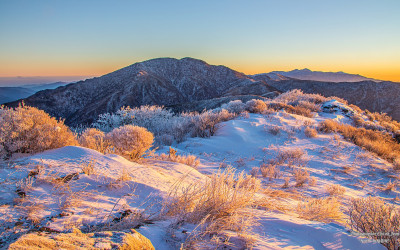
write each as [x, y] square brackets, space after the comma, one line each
[117, 185]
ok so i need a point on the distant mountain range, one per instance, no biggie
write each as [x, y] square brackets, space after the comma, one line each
[306, 74]
[191, 84]
[9, 94]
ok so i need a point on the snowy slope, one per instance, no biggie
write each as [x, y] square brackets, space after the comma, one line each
[63, 194]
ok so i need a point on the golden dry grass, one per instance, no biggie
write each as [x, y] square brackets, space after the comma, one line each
[377, 142]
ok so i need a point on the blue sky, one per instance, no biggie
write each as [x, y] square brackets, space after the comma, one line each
[54, 37]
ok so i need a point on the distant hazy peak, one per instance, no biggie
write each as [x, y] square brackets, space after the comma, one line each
[307, 74]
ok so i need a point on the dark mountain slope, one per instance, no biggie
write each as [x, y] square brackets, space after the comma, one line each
[162, 81]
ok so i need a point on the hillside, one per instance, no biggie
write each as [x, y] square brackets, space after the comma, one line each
[376, 97]
[291, 172]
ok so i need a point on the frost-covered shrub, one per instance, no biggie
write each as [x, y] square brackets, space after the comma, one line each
[236, 106]
[130, 141]
[206, 123]
[256, 106]
[376, 219]
[94, 139]
[165, 125]
[29, 130]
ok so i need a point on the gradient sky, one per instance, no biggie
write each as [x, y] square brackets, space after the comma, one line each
[94, 37]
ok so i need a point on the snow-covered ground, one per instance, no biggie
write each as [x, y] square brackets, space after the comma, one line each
[79, 187]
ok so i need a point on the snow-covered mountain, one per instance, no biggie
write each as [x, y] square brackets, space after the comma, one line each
[306, 74]
[162, 81]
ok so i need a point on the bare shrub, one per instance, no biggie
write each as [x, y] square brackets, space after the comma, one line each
[131, 141]
[335, 190]
[301, 176]
[88, 167]
[240, 162]
[189, 160]
[94, 139]
[256, 106]
[312, 181]
[269, 171]
[390, 186]
[324, 210]
[381, 144]
[286, 184]
[275, 130]
[217, 205]
[376, 219]
[254, 171]
[27, 129]
[396, 164]
[291, 156]
[310, 132]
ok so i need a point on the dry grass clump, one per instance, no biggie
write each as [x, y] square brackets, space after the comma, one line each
[269, 171]
[310, 132]
[292, 157]
[275, 130]
[384, 120]
[27, 129]
[216, 205]
[189, 160]
[131, 141]
[377, 220]
[301, 176]
[297, 110]
[78, 240]
[335, 190]
[324, 210]
[381, 144]
[296, 95]
[88, 167]
[390, 186]
[312, 106]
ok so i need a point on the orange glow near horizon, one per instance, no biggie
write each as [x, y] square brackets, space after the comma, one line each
[92, 69]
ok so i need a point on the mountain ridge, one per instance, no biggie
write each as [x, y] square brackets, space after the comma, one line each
[159, 81]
